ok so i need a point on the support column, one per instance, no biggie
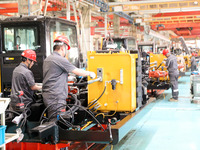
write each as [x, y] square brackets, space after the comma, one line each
[196, 43]
[116, 21]
[105, 24]
[146, 33]
[86, 31]
[68, 10]
[133, 31]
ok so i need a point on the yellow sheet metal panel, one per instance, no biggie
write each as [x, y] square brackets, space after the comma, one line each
[0, 78]
[123, 98]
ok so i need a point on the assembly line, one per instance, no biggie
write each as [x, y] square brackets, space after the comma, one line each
[99, 75]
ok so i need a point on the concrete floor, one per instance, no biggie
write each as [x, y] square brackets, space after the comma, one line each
[164, 125]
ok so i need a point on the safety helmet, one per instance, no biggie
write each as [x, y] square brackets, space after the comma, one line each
[165, 52]
[60, 40]
[193, 54]
[29, 54]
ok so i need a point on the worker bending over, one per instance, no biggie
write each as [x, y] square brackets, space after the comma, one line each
[55, 77]
[23, 80]
[172, 67]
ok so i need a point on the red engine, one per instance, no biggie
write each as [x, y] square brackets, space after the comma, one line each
[157, 74]
[180, 66]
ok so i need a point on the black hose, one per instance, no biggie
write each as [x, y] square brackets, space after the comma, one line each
[65, 124]
[159, 66]
[72, 110]
[47, 108]
[84, 110]
[77, 102]
[90, 115]
[80, 80]
[78, 84]
[97, 98]
[12, 111]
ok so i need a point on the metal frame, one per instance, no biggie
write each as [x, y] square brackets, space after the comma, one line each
[158, 6]
[159, 85]
[173, 19]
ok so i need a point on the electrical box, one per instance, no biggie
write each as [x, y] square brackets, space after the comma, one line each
[118, 74]
[195, 85]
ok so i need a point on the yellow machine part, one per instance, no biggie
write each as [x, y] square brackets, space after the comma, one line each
[0, 78]
[187, 60]
[198, 52]
[121, 67]
[158, 58]
[181, 61]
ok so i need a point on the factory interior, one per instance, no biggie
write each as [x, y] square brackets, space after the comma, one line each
[99, 74]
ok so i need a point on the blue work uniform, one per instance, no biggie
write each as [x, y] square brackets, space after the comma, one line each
[22, 80]
[172, 67]
[193, 64]
[55, 82]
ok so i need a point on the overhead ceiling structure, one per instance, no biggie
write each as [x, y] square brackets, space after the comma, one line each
[185, 24]
[180, 16]
[10, 8]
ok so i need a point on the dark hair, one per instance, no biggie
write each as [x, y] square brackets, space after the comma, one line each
[23, 58]
[57, 47]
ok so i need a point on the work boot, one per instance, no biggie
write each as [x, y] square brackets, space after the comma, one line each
[173, 100]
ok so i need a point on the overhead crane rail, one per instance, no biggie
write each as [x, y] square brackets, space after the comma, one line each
[184, 45]
[123, 15]
[103, 6]
[157, 6]
[173, 19]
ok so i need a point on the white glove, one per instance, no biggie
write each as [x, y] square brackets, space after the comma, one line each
[164, 62]
[92, 75]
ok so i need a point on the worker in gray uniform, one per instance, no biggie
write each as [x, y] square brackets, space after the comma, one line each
[193, 63]
[172, 67]
[55, 77]
[23, 80]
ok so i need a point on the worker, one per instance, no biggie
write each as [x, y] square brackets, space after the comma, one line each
[172, 67]
[193, 63]
[55, 77]
[23, 80]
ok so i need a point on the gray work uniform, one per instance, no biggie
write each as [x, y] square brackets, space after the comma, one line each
[55, 79]
[22, 80]
[193, 64]
[172, 67]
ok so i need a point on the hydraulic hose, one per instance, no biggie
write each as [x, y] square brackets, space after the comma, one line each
[85, 83]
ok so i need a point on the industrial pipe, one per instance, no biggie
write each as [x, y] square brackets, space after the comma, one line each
[153, 66]
[85, 83]
[155, 62]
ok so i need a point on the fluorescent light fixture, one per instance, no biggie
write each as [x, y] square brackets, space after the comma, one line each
[170, 10]
[191, 9]
[149, 11]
